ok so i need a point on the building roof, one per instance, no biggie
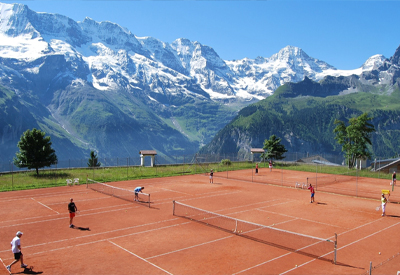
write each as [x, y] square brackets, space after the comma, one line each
[148, 152]
[313, 158]
[389, 165]
[257, 150]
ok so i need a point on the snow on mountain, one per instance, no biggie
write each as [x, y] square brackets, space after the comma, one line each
[115, 59]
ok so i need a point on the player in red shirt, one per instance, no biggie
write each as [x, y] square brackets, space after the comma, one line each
[311, 188]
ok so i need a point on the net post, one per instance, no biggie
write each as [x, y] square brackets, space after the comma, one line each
[149, 200]
[370, 268]
[236, 222]
[87, 184]
[335, 250]
[173, 208]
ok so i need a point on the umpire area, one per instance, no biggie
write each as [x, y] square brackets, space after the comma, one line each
[113, 236]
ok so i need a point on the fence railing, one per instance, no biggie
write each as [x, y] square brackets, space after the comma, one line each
[14, 178]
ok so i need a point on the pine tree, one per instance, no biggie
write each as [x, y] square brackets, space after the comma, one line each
[274, 148]
[35, 151]
[93, 161]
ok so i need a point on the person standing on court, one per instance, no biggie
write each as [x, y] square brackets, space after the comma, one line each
[393, 180]
[256, 168]
[137, 190]
[16, 249]
[270, 165]
[211, 176]
[72, 209]
[311, 188]
[384, 202]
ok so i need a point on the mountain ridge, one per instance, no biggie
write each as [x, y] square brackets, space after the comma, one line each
[92, 80]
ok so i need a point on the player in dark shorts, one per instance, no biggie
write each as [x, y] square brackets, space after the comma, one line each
[311, 188]
[72, 209]
[16, 249]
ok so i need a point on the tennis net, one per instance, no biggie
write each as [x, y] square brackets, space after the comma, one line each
[325, 180]
[125, 194]
[319, 248]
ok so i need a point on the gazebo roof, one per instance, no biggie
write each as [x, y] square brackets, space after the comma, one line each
[148, 152]
[257, 150]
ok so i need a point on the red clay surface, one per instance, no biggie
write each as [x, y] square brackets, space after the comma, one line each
[130, 238]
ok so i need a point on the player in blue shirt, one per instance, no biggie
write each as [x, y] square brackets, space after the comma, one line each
[137, 190]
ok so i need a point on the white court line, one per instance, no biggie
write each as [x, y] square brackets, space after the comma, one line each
[251, 204]
[348, 245]
[324, 255]
[189, 247]
[4, 264]
[165, 189]
[45, 205]
[106, 232]
[262, 210]
[86, 210]
[140, 257]
[48, 220]
[97, 241]
[369, 235]
[55, 194]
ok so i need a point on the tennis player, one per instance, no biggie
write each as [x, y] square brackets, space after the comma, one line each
[270, 165]
[256, 168]
[16, 249]
[384, 202]
[72, 209]
[311, 188]
[137, 190]
[393, 180]
[211, 176]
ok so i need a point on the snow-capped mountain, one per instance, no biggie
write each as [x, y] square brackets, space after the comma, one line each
[116, 59]
[70, 67]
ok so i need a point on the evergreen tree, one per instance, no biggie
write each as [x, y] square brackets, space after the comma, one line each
[35, 151]
[93, 161]
[274, 148]
[355, 137]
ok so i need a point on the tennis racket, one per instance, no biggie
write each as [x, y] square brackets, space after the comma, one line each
[377, 209]
[77, 212]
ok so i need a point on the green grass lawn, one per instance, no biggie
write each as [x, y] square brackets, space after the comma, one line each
[57, 177]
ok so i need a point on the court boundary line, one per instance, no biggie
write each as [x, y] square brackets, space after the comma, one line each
[44, 205]
[38, 195]
[38, 217]
[307, 220]
[351, 243]
[5, 266]
[96, 241]
[190, 247]
[66, 217]
[130, 252]
[340, 248]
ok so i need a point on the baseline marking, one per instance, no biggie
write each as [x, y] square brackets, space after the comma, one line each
[140, 257]
[45, 205]
[4, 264]
[189, 247]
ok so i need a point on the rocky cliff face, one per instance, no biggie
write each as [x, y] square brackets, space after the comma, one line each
[93, 80]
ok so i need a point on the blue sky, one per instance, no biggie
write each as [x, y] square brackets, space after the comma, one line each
[342, 33]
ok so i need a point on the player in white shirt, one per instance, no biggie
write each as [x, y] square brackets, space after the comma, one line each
[16, 249]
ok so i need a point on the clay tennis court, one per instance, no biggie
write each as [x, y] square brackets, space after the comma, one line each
[131, 238]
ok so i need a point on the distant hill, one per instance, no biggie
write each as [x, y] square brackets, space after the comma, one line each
[96, 86]
[303, 115]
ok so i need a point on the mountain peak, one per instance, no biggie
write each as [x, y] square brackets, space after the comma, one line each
[395, 59]
[373, 62]
[290, 51]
